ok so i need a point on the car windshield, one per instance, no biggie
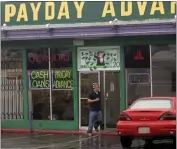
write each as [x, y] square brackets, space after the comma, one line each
[152, 104]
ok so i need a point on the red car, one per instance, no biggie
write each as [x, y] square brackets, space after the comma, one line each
[150, 118]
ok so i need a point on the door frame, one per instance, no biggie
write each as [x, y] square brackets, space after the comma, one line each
[86, 72]
[104, 94]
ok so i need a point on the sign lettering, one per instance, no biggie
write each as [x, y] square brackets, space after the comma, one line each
[40, 79]
[39, 59]
[34, 57]
[36, 13]
[62, 79]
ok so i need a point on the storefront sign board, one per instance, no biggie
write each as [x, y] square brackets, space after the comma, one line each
[41, 13]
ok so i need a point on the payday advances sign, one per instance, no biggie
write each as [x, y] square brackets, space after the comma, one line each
[38, 13]
[62, 79]
[40, 79]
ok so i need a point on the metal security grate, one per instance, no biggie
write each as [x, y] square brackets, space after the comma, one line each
[11, 85]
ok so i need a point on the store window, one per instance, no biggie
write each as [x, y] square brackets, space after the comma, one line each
[51, 84]
[62, 92]
[163, 70]
[11, 84]
[137, 70]
[150, 71]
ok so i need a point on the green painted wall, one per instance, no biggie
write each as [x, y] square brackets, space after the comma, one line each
[14, 124]
[41, 13]
[122, 81]
[67, 125]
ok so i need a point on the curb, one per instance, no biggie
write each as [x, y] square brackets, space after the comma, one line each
[55, 132]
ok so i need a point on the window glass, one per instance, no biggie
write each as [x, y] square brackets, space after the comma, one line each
[152, 104]
[164, 70]
[37, 59]
[62, 105]
[62, 88]
[60, 79]
[11, 84]
[137, 64]
[41, 104]
[38, 81]
[137, 56]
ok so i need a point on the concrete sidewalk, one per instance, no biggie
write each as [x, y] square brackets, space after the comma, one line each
[68, 141]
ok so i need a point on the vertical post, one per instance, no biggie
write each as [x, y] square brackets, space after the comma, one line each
[26, 110]
[25, 84]
[150, 54]
[105, 98]
[75, 87]
[122, 80]
[50, 79]
[126, 87]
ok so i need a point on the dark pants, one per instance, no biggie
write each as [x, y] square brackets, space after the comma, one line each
[95, 119]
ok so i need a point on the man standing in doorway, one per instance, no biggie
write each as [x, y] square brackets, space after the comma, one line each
[95, 115]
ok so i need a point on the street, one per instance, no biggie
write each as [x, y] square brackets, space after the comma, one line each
[52, 141]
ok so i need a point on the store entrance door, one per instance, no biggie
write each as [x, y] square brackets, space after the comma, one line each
[86, 80]
[110, 97]
[111, 91]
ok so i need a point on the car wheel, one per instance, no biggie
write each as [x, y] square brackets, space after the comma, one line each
[174, 141]
[126, 141]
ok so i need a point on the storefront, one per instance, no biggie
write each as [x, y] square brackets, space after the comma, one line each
[48, 68]
[151, 71]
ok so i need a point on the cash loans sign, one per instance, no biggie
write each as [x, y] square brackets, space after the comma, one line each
[60, 79]
[38, 13]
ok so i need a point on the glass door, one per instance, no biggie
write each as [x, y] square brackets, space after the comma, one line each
[111, 80]
[86, 80]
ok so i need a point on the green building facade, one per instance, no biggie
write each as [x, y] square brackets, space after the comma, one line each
[53, 52]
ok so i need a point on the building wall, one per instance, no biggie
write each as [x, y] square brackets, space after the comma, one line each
[65, 125]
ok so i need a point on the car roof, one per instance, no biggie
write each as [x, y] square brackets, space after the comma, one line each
[157, 97]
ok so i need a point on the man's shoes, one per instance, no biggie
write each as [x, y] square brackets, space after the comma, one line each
[96, 128]
[89, 134]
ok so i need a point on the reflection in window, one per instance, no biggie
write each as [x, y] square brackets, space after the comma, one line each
[62, 93]
[37, 59]
[62, 105]
[61, 84]
[41, 104]
[61, 58]
[11, 84]
[137, 63]
[164, 70]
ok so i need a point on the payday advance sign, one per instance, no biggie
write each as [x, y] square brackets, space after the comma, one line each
[39, 13]
[60, 79]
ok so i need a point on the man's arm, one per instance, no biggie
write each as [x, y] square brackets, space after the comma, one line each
[92, 101]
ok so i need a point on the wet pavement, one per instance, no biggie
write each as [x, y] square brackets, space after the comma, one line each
[51, 141]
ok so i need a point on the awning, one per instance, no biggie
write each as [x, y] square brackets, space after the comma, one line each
[89, 30]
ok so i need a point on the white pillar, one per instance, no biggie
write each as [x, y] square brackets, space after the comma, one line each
[150, 53]
[51, 117]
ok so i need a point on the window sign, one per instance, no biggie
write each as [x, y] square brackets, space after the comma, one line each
[61, 79]
[39, 58]
[137, 56]
[98, 58]
[39, 79]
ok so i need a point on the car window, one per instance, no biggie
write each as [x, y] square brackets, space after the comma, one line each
[152, 104]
